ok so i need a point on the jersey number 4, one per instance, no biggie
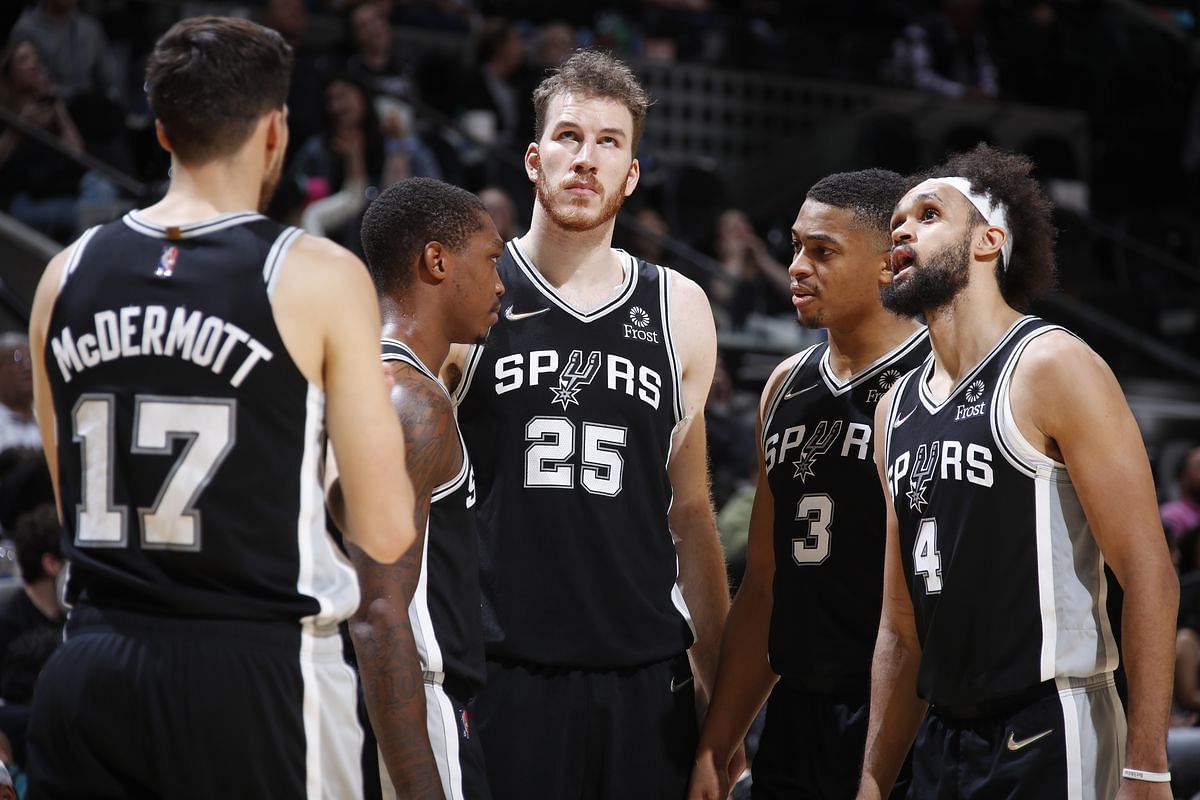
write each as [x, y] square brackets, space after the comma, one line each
[172, 522]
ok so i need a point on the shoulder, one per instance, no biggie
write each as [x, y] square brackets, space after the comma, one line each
[427, 416]
[1058, 358]
[686, 294]
[324, 265]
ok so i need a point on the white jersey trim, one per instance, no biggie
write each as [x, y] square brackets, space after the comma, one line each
[628, 264]
[325, 574]
[218, 223]
[76, 255]
[279, 250]
[935, 406]
[878, 366]
[776, 397]
[664, 302]
[424, 634]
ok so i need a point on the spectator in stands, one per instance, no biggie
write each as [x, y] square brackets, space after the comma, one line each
[755, 282]
[502, 210]
[376, 60]
[37, 540]
[310, 68]
[72, 46]
[39, 185]
[497, 84]
[947, 53]
[552, 45]
[648, 247]
[1186, 697]
[17, 426]
[1183, 513]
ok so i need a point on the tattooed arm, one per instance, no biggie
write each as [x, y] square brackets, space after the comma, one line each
[383, 638]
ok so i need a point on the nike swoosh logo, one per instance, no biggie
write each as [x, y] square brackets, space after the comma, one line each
[513, 317]
[903, 419]
[1015, 745]
[798, 392]
[675, 687]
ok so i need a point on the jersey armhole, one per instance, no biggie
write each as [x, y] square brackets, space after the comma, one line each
[1017, 449]
[276, 256]
[76, 255]
[664, 303]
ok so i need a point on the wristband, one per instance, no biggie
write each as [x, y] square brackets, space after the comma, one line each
[1143, 775]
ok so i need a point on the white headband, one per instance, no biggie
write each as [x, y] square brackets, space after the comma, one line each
[993, 213]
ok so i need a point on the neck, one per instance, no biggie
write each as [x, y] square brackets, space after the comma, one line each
[22, 410]
[855, 347]
[419, 331]
[964, 331]
[562, 255]
[42, 593]
[219, 187]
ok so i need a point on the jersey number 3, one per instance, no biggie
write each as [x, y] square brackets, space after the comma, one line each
[172, 522]
[813, 547]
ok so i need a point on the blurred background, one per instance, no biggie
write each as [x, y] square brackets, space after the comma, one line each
[753, 101]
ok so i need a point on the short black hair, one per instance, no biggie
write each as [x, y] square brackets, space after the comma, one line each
[36, 534]
[409, 215]
[871, 194]
[210, 79]
[1008, 177]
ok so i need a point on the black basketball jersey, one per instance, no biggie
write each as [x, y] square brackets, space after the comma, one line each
[189, 443]
[1006, 579]
[568, 416]
[444, 611]
[830, 518]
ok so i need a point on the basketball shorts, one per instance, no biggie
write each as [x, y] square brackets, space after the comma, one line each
[1067, 740]
[454, 737]
[812, 746]
[615, 735]
[142, 706]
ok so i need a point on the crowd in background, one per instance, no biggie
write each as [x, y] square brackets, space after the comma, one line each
[364, 112]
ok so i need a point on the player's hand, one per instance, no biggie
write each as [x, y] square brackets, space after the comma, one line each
[710, 781]
[1144, 790]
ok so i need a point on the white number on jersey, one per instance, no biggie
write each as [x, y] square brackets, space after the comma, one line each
[549, 459]
[927, 560]
[817, 511]
[172, 522]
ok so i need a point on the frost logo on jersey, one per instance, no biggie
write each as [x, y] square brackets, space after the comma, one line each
[973, 394]
[886, 379]
[574, 376]
[926, 463]
[166, 262]
[637, 330]
[822, 439]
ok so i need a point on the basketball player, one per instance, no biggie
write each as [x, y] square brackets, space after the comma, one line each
[807, 611]
[583, 415]
[432, 250]
[1016, 474]
[188, 363]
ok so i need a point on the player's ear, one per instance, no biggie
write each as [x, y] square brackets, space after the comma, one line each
[991, 240]
[161, 135]
[632, 177]
[884, 275]
[532, 162]
[433, 262]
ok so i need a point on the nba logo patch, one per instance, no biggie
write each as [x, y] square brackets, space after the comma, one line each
[166, 262]
[465, 719]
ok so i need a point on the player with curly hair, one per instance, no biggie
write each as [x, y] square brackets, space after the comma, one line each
[1016, 474]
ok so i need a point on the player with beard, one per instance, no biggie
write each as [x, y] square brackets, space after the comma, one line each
[803, 624]
[583, 414]
[1016, 474]
[187, 366]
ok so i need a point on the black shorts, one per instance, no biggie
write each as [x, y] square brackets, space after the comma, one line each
[812, 746]
[552, 733]
[454, 737]
[136, 706]
[1068, 741]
